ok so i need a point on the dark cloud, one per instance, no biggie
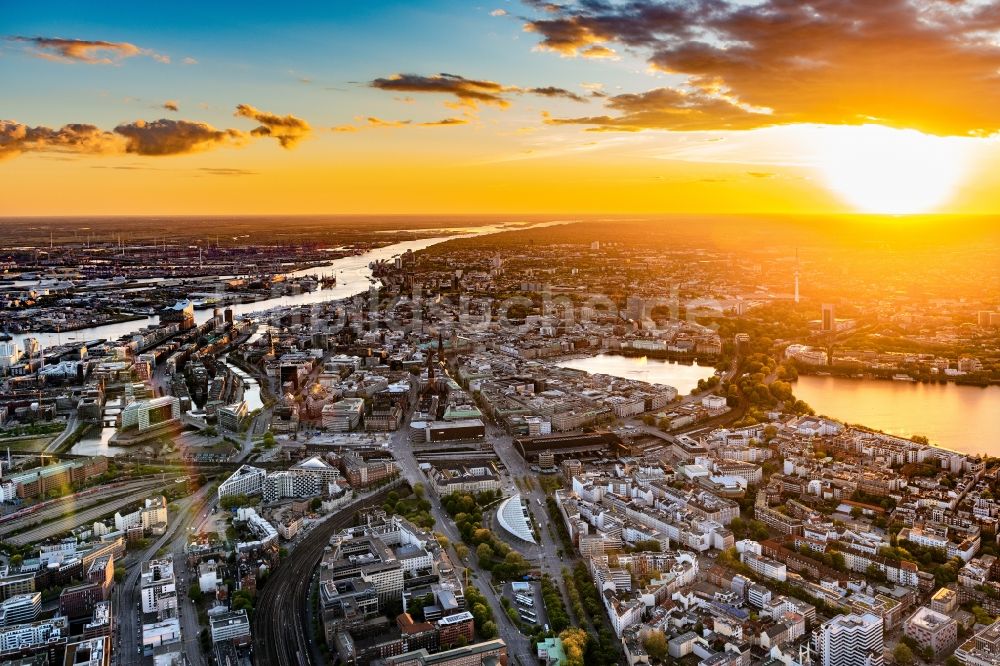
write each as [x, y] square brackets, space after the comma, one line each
[445, 122]
[175, 137]
[468, 91]
[92, 52]
[155, 137]
[288, 130]
[927, 64]
[553, 91]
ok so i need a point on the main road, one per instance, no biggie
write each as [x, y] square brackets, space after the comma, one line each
[127, 595]
[70, 428]
[518, 644]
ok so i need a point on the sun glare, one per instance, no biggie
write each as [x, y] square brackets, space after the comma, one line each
[878, 169]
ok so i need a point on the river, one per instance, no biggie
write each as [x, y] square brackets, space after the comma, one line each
[681, 376]
[352, 274]
[961, 418]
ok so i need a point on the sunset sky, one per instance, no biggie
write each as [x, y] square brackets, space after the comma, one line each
[458, 107]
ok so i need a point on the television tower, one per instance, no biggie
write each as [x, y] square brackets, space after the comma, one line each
[796, 275]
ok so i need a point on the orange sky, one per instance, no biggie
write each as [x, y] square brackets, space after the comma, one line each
[684, 111]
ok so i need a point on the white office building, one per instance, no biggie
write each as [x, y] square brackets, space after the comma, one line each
[263, 530]
[230, 626]
[20, 608]
[153, 512]
[343, 415]
[293, 483]
[247, 480]
[35, 634]
[159, 587]
[145, 414]
[850, 640]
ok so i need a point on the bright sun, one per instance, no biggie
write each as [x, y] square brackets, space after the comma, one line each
[878, 169]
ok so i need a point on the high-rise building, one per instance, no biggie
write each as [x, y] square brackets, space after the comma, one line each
[635, 308]
[829, 320]
[159, 587]
[850, 640]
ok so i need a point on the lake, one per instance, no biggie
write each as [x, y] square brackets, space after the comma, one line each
[682, 376]
[962, 418]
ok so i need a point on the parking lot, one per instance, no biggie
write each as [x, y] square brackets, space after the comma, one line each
[526, 598]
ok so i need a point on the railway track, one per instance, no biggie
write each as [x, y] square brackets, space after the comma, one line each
[76, 504]
[281, 618]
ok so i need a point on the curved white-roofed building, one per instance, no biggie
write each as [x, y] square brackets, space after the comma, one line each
[513, 517]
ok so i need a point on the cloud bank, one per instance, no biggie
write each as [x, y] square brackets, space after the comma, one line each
[930, 65]
[148, 137]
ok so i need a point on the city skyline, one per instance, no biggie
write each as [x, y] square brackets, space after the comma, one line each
[503, 107]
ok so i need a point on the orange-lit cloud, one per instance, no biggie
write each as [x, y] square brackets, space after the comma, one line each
[17, 138]
[171, 105]
[155, 137]
[91, 52]
[925, 64]
[374, 122]
[288, 130]
[672, 109]
[378, 122]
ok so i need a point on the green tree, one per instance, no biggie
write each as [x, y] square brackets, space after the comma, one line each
[902, 655]
[655, 644]
[489, 629]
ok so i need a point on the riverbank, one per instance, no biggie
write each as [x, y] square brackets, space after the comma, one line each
[952, 416]
[875, 374]
[353, 273]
